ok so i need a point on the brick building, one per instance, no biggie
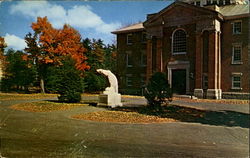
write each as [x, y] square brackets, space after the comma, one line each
[202, 45]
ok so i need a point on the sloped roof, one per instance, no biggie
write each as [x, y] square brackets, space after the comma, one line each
[234, 10]
[227, 11]
[131, 28]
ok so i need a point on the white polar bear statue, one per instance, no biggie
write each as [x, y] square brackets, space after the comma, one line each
[110, 96]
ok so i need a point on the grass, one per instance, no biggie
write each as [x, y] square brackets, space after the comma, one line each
[45, 106]
[16, 96]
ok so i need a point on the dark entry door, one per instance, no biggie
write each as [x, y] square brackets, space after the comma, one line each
[179, 81]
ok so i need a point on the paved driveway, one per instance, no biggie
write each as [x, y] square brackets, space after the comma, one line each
[54, 134]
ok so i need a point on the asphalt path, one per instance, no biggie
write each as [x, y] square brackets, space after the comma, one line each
[55, 134]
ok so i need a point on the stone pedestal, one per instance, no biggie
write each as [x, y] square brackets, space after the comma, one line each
[198, 93]
[110, 98]
[214, 93]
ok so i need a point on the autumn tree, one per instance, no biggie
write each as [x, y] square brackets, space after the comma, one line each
[50, 46]
[2, 46]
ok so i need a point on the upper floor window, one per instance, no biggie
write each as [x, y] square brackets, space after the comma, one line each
[143, 80]
[237, 27]
[237, 54]
[129, 39]
[197, 3]
[179, 42]
[236, 80]
[129, 80]
[144, 37]
[129, 61]
[143, 58]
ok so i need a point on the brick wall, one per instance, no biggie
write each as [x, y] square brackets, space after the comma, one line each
[137, 69]
[227, 67]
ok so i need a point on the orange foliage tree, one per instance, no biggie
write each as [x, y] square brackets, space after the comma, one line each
[2, 61]
[49, 45]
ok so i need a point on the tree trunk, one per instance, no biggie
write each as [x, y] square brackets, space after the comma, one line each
[42, 85]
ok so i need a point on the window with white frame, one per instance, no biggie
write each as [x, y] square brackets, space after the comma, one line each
[179, 42]
[236, 80]
[129, 61]
[129, 39]
[143, 58]
[237, 54]
[129, 80]
[237, 27]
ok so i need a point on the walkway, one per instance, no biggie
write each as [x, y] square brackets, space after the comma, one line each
[54, 134]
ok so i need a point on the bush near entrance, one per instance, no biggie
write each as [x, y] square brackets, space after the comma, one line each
[158, 91]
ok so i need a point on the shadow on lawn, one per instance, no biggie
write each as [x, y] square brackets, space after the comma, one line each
[185, 114]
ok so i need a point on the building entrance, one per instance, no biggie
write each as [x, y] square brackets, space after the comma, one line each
[179, 81]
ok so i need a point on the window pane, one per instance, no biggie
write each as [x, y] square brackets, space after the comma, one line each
[144, 37]
[143, 58]
[237, 53]
[179, 41]
[129, 39]
[236, 78]
[236, 82]
[129, 82]
[129, 60]
[237, 27]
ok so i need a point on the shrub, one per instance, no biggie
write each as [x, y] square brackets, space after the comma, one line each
[158, 91]
[68, 83]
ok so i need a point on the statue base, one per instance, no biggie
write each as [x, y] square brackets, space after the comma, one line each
[110, 98]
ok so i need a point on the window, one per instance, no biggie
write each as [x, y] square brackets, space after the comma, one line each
[129, 39]
[236, 55]
[221, 2]
[144, 37]
[236, 80]
[129, 61]
[227, 2]
[179, 42]
[237, 27]
[129, 81]
[143, 80]
[143, 58]
[198, 3]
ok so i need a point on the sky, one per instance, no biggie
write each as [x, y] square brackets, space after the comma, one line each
[93, 19]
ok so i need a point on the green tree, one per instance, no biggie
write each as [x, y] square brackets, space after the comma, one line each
[158, 91]
[110, 58]
[65, 80]
[18, 74]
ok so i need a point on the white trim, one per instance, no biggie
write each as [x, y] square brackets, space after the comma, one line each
[233, 46]
[179, 65]
[232, 78]
[237, 33]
